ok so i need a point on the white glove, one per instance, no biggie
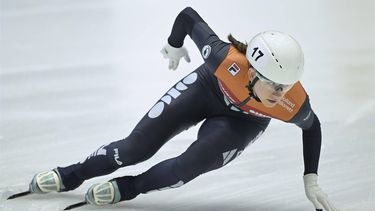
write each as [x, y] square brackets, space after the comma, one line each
[174, 55]
[315, 194]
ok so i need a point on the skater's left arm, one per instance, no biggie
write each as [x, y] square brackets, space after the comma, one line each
[312, 141]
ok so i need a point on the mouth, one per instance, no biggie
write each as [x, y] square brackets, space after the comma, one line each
[271, 101]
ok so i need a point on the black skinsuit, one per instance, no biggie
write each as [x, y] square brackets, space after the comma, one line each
[224, 134]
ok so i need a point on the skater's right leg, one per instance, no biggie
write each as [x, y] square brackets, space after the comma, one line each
[137, 147]
[183, 106]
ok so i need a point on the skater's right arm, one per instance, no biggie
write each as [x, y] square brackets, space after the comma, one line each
[189, 22]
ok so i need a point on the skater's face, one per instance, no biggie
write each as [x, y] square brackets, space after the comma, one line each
[268, 92]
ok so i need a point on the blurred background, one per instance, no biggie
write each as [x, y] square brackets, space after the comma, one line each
[77, 74]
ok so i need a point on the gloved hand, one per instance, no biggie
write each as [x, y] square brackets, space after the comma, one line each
[315, 194]
[174, 55]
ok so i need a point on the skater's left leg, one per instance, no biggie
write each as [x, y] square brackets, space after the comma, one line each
[220, 140]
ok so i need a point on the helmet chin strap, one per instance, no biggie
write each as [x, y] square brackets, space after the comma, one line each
[251, 93]
[251, 90]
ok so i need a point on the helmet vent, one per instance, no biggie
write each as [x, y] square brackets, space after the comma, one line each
[277, 60]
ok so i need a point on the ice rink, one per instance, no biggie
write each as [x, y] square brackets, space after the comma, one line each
[77, 74]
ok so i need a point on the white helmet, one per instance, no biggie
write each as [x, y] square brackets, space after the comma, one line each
[277, 56]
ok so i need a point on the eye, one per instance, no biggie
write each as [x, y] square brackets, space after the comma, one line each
[279, 88]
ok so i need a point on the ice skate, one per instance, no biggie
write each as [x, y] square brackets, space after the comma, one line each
[46, 182]
[104, 193]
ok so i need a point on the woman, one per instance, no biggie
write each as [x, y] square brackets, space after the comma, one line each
[237, 91]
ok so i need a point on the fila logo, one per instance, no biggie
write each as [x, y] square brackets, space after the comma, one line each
[117, 157]
[234, 69]
[173, 93]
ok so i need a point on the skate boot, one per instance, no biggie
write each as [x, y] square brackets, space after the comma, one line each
[46, 182]
[104, 193]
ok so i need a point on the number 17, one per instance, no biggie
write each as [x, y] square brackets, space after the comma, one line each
[260, 53]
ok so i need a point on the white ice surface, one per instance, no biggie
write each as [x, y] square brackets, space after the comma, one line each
[77, 74]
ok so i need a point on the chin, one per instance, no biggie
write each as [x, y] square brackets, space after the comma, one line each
[269, 105]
